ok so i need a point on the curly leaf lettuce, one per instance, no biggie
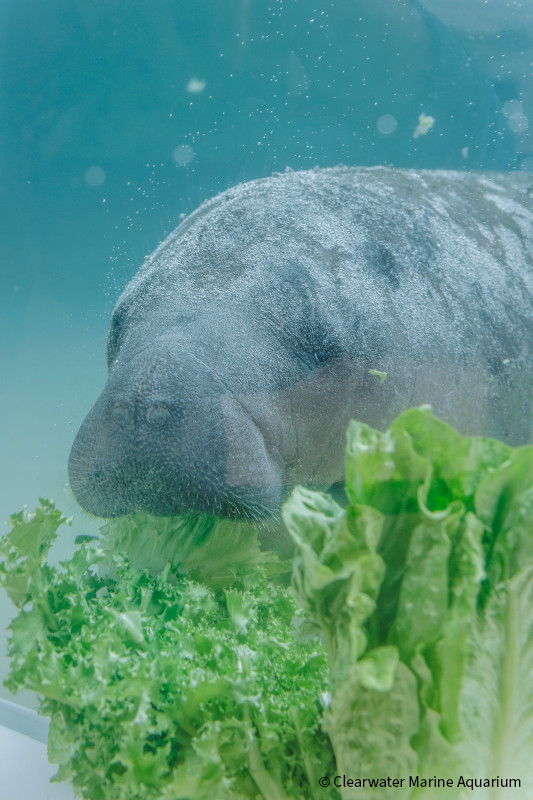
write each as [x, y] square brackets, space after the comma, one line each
[186, 680]
[423, 589]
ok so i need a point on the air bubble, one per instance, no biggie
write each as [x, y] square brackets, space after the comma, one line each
[183, 154]
[387, 124]
[195, 86]
[517, 119]
[95, 176]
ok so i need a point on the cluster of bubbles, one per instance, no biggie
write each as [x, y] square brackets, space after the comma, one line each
[183, 154]
[95, 176]
[386, 124]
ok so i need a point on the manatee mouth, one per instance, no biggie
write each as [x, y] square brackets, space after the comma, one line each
[118, 489]
[159, 504]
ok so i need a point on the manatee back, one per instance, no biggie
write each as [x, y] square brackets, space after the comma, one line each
[425, 275]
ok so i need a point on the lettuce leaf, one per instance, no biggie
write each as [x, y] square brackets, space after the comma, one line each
[190, 678]
[175, 662]
[423, 589]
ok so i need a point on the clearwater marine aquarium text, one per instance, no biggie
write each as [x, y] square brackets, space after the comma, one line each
[415, 781]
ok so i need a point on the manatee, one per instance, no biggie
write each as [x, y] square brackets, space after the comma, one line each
[284, 307]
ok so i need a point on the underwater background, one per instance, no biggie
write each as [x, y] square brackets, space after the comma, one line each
[119, 116]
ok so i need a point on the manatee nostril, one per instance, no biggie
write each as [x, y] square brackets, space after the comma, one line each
[157, 413]
[97, 473]
[120, 412]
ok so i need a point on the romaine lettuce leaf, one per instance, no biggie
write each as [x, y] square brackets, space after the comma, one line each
[423, 589]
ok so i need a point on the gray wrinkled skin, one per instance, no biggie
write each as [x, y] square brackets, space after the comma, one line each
[242, 347]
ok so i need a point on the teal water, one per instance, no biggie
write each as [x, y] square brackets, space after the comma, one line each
[119, 116]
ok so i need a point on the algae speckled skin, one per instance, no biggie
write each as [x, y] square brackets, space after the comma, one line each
[251, 336]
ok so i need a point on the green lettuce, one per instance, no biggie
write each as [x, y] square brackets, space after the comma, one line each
[177, 671]
[175, 662]
[423, 589]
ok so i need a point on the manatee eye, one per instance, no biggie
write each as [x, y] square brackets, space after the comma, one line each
[322, 355]
[157, 413]
[318, 343]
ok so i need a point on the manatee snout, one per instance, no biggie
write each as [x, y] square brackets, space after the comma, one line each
[166, 436]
